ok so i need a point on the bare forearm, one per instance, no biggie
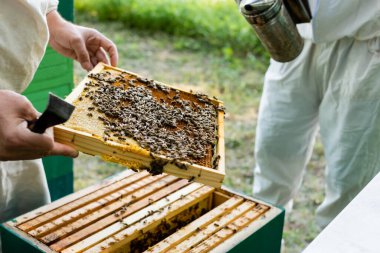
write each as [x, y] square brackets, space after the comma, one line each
[54, 20]
[85, 45]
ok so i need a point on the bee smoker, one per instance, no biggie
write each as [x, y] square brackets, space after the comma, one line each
[274, 22]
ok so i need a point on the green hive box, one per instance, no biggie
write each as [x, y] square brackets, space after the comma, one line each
[78, 222]
[55, 74]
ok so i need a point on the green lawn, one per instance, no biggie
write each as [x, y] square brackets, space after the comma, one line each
[235, 80]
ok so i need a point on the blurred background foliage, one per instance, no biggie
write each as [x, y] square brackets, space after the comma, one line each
[215, 23]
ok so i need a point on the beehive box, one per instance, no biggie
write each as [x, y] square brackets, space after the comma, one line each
[144, 124]
[138, 212]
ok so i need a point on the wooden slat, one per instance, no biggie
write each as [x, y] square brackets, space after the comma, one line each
[250, 229]
[103, 217]
[69, 198]
[193, 227]
[131, 219]
[229, 230]
[213, 241]
[125, 236]
[95, 144]
[90, 208]
[213, 227]
[107, 221]
[92, 145]
[220, 146]
[44, 218]
[87, 143]
[199, 172]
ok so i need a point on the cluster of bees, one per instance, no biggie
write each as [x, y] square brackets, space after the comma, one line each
[166, 228]
[156, 116]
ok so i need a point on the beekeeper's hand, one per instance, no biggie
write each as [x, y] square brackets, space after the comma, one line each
[85, 45]
[17, 142]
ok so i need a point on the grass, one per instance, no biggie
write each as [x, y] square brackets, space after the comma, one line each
[215, 23]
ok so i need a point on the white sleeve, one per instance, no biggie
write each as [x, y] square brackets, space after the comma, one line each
[22, 46]
[335, 19]
[52, 5]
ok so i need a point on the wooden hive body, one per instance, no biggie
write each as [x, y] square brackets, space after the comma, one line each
[137, 212]
[87, 135]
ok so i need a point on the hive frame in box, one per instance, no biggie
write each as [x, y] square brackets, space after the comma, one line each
[263, 231]
[114, 151]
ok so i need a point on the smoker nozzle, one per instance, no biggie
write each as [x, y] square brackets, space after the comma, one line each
[255, 7]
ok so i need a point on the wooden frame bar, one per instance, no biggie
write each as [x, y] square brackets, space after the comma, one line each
[125, 236]
[58, 227]
[185, 232]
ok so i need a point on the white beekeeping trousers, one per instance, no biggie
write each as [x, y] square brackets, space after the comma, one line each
[335, 85]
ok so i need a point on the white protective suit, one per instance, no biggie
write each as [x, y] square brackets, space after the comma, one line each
[24, 36]
[333, 84]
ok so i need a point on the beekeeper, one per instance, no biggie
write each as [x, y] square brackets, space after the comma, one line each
[25, 27]
[333, 85]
